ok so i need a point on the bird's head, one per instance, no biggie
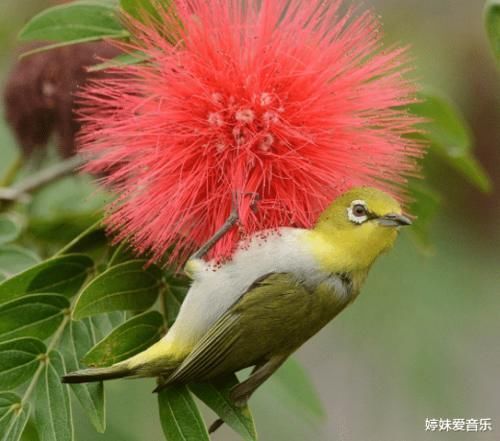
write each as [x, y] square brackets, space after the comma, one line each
[361, 224]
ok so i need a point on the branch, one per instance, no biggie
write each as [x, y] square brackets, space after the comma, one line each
[21, 191]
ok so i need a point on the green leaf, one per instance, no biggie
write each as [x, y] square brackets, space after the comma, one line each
[10, 404]
[149, 11]
[9, 152]
[29, 432]
[9, 230]
[101, 325]
[61, 275]
[52, 403]
[450, 137]
[81, 241]
[74, 22]
[77, 340]
[127, 286]
[126, 340]
[152, 13]
[19, 360]
[13, 416]
[116, 318]
[94, 245]
[14, 259]
[175, 292]
[216, 396]
[141, 8]
[424, 207]
[34, 315]
[294, 386]
[492, 21]
[122, 253]
[179, 415]
[63, 209]
[121, 60]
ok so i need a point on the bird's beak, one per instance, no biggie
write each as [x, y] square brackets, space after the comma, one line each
[394, 220]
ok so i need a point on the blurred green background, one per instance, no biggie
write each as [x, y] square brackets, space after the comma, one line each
[423, 340]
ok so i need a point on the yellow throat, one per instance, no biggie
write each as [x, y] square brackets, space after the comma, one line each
[355, 229]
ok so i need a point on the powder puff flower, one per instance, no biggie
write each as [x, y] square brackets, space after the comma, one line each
[293, 100]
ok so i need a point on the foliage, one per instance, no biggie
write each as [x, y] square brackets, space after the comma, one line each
[72, 23]
[70, 311]
[449, 137]
[450, 142]
[492, 19]
[90, 304]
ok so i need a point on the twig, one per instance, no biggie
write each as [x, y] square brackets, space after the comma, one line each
[21, 191]
[44, 359]
[11, 172]
[78, 238]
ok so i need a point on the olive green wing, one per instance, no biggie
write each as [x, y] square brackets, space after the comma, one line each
[259, 323]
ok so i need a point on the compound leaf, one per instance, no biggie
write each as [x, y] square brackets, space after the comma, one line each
[9, 230]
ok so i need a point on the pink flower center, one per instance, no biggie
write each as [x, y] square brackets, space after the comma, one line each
[246, 123]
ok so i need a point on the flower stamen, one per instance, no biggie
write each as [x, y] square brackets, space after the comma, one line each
[245, 116]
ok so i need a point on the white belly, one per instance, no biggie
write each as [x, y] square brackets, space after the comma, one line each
[215, 290]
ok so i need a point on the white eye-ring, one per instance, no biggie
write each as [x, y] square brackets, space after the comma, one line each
[357, 212]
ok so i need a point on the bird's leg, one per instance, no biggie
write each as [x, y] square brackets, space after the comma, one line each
[219, 422]
[228, 224]
[241, 393]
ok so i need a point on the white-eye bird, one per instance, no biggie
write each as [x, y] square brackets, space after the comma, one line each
[278, 290]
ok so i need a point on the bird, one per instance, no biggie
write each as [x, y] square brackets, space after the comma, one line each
[276, 292]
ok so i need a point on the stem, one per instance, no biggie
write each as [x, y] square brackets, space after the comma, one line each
[116, 253]
[55, 339]
[21, 191]
[78, 238]
[31, 387]
[11, 172]
[58, 333]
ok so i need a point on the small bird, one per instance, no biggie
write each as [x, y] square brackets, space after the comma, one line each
[278, 290]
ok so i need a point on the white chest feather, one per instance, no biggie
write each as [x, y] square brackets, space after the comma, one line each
[215, 290]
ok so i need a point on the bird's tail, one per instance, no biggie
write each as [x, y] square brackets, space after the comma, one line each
[99, 374]
[154, 361]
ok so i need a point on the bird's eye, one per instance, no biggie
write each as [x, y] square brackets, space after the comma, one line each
[359, 210]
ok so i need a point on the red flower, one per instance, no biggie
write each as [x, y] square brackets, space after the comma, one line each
[296, 101]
